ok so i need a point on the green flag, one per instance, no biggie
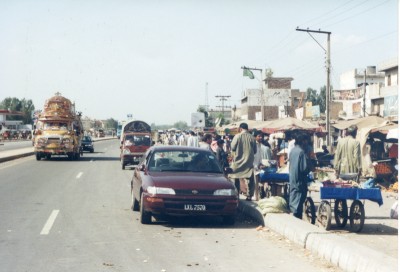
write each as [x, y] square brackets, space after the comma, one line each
[248, 72]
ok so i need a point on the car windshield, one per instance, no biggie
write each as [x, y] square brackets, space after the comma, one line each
[184, 161]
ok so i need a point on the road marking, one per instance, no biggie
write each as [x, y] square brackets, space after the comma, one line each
[79, 175]
[50, 221]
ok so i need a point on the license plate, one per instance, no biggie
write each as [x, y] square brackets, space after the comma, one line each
[190, 207]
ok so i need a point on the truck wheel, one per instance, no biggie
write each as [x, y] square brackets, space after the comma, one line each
[38, 157]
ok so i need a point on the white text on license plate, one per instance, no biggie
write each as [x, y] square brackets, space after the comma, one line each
[195, 207]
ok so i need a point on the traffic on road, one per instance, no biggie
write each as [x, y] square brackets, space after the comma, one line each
[82, 220]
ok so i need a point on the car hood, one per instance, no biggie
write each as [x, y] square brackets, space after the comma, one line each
[190, 180]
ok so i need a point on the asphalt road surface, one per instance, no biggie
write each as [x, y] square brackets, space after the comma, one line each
[61, 215]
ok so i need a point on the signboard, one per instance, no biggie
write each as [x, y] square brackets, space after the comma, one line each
[309, 112]
[277, 97]
[258, 116]
[316, 111]
[391, 106]
[300, 113]
[281, 112]
[198, 119]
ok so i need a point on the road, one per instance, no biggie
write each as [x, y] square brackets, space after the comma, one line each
[61, 215]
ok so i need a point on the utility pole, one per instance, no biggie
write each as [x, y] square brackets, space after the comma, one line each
[261, 89]
[223, 98]
[328, 79]
[365, 90]
[206, 98]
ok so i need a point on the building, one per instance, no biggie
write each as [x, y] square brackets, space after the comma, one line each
[369, 92]
[10, 124]
[278, 100]
[390, 91]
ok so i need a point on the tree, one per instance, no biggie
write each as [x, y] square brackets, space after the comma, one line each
[111, 123]
[321, 101]
[24, 106]
[180, 125]
[312, 96]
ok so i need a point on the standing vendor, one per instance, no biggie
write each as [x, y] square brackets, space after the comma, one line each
[348, 153]
[299, 167]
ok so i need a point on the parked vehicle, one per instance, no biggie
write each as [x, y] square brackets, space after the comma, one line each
[58, 130]
[182, 181]
[135, 140]
[87, 144]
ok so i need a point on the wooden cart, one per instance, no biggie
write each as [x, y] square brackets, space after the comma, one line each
[338, 197]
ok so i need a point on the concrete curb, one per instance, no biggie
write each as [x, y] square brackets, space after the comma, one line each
[17, 156]
[341, 252]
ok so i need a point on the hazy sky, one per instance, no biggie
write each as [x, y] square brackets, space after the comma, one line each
[153, 59]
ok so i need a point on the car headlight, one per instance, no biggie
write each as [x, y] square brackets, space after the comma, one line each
[127, 151]
[225, 192]
[160, 190]
[41, 141]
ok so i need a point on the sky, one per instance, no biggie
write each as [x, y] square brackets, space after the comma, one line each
[160, 60]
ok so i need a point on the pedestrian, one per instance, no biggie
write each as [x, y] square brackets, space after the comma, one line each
[221, 155]
[299, 168]
[348, 153]
[214, 142]
[193, 141]
[263, 153]
[243, 147]
[206, 142]
[182, 140]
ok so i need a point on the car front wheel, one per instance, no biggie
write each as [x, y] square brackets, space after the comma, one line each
[135, 203]
[145, 217]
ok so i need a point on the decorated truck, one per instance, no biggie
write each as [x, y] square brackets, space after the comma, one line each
[58, 129]
[136, 138]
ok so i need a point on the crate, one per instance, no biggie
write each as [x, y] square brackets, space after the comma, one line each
[383, 168]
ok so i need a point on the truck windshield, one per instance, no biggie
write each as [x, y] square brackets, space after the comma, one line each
[55, 126]
[137, 140]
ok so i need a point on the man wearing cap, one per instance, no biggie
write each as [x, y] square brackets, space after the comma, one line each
[348, 153]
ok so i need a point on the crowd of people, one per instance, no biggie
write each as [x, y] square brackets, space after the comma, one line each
[16, 135]
[247, 153]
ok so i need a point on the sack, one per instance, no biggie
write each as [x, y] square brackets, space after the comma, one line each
[274, 204]
[393, 211]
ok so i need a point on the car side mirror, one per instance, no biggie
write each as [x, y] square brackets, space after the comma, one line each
[142, 167]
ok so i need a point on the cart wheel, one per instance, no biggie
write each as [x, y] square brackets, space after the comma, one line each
[325, 214]
[357, 216]
[341, 213]
[309, 210]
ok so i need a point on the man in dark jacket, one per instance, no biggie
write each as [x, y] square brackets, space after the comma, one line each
[299, 167]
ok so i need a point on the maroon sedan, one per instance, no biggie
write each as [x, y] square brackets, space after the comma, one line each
[182, 181]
